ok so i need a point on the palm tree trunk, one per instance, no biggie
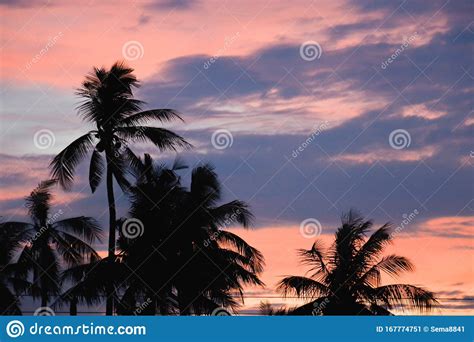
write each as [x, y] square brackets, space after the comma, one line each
[112, 222]
[73, 307]
[44, 298]
[183, 293]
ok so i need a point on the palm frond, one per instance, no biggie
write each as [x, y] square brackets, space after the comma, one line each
[121, 78]
[162, 138]
[179, 164]
[64, 164]
[83, 227]
[372, 247]
[393, 265]
[12, 236]
[315, 257]
[402, 294]
[135, 163]
[66, 250]
[302, 287]
[38, 202]
[237, 276]
[231, 213]
[253, 261]
[348, 238]
[96, 170]
[163, 115]
[69, 246]
[90, 108]
[205, 185]
[254, 255]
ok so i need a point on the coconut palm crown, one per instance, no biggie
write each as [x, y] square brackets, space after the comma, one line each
[346, 278]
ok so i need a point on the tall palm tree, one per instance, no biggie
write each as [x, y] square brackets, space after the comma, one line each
[45, 243]
[201, 266]
[109, 104]
[346, 278]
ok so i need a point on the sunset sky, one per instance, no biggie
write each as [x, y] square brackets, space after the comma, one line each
[306, 136]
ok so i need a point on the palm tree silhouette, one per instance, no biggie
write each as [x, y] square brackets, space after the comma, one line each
[201, 265]
[203, 255]
[110, 105]
[346, 279]
[46, 242]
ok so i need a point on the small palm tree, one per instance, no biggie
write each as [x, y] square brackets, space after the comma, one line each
[110, 105]
[346, 279]
[46, 243]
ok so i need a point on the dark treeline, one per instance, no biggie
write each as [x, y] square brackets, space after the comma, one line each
[172, 255]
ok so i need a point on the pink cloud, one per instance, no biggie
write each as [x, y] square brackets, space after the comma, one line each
[386, 155]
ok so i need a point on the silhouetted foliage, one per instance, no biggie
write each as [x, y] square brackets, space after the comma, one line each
[346, 278]
[267, 309]
[109, 104]
[183, 261]
[10, 241]
[43, 245]
[188, 263]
